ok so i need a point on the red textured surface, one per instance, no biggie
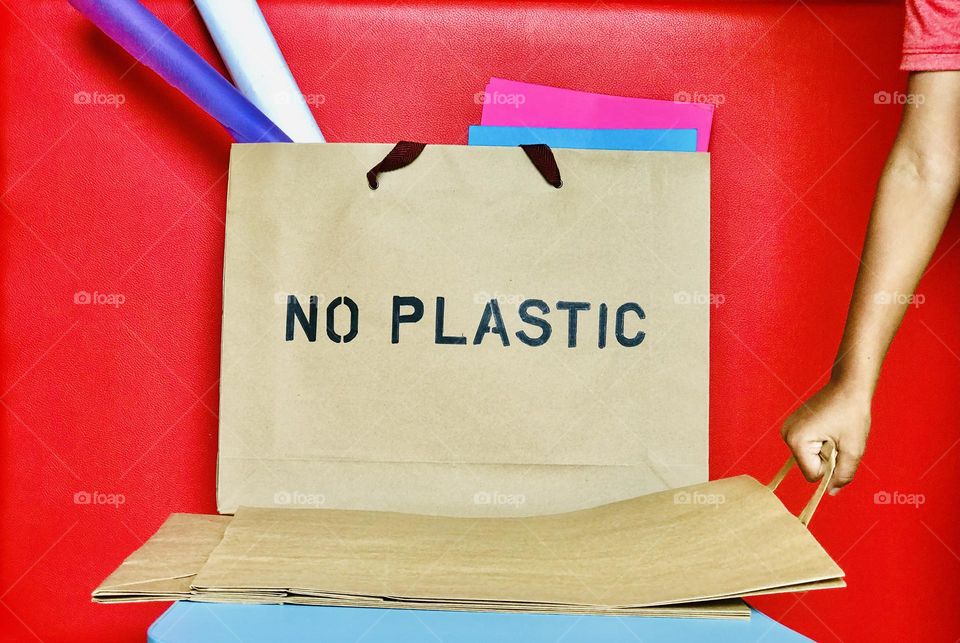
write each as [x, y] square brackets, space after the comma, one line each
[130, 200]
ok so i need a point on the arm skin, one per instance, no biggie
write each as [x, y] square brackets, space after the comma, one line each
[915, 196]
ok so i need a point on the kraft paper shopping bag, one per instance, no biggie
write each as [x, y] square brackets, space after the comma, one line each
[485, 333]
[721, 539]
[687, 552]
[163, 568]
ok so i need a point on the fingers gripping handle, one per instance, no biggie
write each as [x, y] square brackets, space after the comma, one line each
[828, 453]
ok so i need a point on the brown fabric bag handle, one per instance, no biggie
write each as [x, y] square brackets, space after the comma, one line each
[406, 152]
[828, 453]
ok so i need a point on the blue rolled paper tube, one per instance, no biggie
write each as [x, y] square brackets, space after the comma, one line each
[152, 43]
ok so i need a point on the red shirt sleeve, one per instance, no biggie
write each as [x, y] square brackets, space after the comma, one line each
[931, 36]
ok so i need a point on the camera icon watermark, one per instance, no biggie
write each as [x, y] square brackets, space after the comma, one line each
[299, 499]
[885, 298]
[95, 298]
[684, 298]
[99, 498]
[282, 297]
[484, 297]
[500, 98]
[99, 99]
[898, 98]
[700, 97]
[698, 498]
[498, 499]
[899, 498]
[287, 98]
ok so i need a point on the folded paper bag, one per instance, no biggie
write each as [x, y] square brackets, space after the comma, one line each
[687, 552]
[720, 539]
[164, 567]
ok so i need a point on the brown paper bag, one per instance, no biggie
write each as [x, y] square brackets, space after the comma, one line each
[364, 362]
[717, 540]
[164, 567]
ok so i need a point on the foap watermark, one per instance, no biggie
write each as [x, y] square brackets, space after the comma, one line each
[884, 298]
[700, 97]
[282, 297]
[899, 498]
[699, 298]
[898, 98]
[698, 498]
[96, 298]
[500, 98]
[299, 499]
[499, 499]
[286, 98]
[99, 99]
[483, 297]
[99, 498]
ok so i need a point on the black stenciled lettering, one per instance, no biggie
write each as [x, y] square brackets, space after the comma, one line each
[331, 320]
[491, 311]
[629, 307]
[409, 318]
[295, 314]
[573, 307]
[545, 329]
[439, 337]
[602, 327]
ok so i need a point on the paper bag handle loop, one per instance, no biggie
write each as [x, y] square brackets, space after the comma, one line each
[403, 154]
[542, 158]
[406, 152]
[828, 453]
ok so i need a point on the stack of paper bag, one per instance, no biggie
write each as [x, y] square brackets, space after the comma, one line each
[687, 552]
[164, 567]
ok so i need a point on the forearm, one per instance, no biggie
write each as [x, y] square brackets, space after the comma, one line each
[915, 197]
[908, 218]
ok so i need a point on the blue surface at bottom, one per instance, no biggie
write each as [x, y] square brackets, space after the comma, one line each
[187, 622]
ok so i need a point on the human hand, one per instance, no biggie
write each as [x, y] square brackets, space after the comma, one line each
[834, 414]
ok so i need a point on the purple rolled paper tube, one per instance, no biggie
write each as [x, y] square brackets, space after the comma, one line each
[142, 34]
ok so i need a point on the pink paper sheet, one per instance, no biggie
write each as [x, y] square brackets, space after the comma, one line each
[509, 102]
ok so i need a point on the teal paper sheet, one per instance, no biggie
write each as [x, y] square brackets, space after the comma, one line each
[641, 140]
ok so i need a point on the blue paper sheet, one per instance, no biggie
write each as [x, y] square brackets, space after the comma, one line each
[643, 140]
[187, 622]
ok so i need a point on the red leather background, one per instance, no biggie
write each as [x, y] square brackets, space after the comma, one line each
[129, 199]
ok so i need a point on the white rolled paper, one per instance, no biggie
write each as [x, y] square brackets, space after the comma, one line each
[259, 70]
